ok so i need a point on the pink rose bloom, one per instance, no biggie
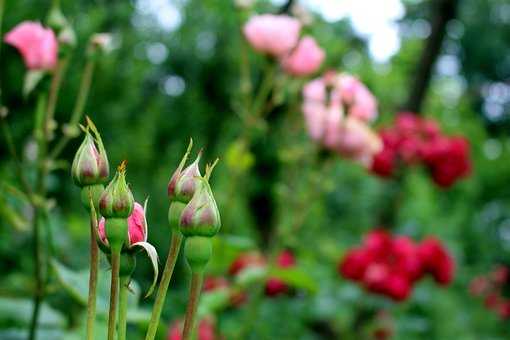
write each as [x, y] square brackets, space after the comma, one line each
[137, 226]
[356, 96]
[38, 45]
[305, 59]
[357, 141]
[275, 35]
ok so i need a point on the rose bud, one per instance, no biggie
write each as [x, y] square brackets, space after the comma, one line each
[272, 34]
[117, 200]
[305, 59]
[38, 45]
[90, 164]
[201, 216]
[184, 183]
[137, 232]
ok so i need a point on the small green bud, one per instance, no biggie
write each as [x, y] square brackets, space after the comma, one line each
[201, 216]
[117, 200]
[56, 19]
[174, 214]
[198, 251]
[90, 164]
[116, 232]
[91, 191]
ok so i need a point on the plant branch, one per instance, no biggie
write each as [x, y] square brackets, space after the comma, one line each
[78, 109]
[123, 304]
[194, 297]
[114, 292]
[175, 245]
[56, 83]
[94, 264]
[444, 11]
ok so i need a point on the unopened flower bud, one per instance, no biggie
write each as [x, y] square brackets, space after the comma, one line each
[56, 19]
[183, 183]
[201, 216]
[67, 37]
[100, 43]
[90, 164]
[198, 251]
[117, 200]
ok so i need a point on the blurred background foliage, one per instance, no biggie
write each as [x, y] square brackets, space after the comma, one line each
[174, 74]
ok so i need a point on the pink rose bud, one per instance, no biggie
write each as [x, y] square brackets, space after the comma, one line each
[90, 164]
[183, 183]
[305, 59]
[117, 200]
[201, 216]
[137, 226]
[38, 45]
[275, 35]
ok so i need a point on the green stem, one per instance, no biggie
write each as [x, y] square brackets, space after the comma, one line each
[78, 109]
[94, 264]
[264, 90]
[39, 272]
[194, 297]
[2, 7]
[114, 292]
[175, 245]
[19, 166]
[56, 82]
[123, 303]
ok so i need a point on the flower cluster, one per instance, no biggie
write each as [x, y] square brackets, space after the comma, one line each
[278, 36]
[274, 286]
[337, 109]
[415, 140]
[391, 265]
[490, 288]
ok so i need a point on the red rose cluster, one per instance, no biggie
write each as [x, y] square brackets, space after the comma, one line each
[490, 288]
[391, 265]
[274, 286]
[206, 330]
[415, 140]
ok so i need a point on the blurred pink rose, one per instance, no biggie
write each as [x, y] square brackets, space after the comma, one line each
[357, 141]
[335, 118]
[137, 226]
[275, 35]
[356, 97]
[38, 45]
[305, 59]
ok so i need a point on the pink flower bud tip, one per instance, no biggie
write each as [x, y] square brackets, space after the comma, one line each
[37, 45]
[90, 165]
[184, 182]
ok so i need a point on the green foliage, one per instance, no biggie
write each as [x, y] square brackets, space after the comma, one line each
[158, 88]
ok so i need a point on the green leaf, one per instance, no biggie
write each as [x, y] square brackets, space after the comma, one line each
[17, 312]
[295, 277]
